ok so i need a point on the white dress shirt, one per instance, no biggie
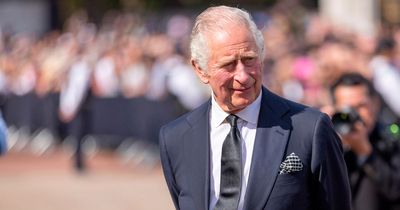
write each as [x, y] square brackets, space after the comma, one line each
[247, 125]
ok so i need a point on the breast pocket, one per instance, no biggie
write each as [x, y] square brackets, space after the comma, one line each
[285, 179]
[290, 192]
[286, 184]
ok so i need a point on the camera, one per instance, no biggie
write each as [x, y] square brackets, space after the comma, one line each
[344, 120]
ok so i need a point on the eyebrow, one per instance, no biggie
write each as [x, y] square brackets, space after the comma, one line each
[250, 54]
[228, 59]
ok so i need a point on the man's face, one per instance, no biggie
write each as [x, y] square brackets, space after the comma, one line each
[357, 98]
[233, 69]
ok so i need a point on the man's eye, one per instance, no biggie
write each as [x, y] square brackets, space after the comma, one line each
[249, 61]
[229, 65]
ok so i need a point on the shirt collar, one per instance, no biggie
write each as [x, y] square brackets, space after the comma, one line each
[248, 114]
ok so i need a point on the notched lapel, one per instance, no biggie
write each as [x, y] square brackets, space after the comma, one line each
[197, 154]
[271, 139]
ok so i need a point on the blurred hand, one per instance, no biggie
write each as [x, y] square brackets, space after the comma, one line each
[357, 140]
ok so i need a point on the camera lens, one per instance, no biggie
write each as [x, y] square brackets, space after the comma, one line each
[343, 120]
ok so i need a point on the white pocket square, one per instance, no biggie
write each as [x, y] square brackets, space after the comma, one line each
[291, 164]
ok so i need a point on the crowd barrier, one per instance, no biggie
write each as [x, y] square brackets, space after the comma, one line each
[110, 120]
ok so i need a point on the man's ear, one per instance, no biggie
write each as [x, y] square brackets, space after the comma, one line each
[201, 73]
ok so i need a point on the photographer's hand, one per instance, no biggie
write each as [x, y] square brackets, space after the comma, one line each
[358, 140]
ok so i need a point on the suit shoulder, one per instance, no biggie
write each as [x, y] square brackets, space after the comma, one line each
[311, 121]
[300, 109]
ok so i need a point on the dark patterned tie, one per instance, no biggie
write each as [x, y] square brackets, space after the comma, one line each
[231, 169]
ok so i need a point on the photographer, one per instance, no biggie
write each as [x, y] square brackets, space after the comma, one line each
[372, 159]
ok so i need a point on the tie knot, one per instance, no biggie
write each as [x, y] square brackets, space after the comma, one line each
[232, 120]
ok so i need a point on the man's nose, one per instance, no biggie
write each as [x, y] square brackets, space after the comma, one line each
[241, 75]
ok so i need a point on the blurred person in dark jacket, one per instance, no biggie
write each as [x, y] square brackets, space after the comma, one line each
[372, 157]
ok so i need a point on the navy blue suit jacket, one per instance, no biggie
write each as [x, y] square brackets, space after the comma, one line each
[284, 127]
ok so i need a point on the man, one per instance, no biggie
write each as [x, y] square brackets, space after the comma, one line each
[247, 148]
[373, 160]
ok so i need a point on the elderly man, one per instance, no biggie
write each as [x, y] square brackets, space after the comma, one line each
[247, 148]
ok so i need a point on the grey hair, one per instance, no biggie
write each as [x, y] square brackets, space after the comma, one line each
[215, 19]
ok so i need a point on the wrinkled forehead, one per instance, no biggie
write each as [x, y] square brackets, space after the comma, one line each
[233, 37]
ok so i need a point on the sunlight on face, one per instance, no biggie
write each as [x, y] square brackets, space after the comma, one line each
[234, 69]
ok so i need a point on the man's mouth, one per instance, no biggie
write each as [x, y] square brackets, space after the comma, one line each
[241, 89]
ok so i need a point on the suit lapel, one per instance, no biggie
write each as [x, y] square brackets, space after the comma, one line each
[197, 152]
[269, 148]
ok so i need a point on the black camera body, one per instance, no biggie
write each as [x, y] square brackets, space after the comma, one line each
[344, 120]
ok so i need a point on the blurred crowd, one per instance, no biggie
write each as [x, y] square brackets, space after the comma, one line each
[131, 56]
[118, 58]
[123, 61]
[302, 63]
